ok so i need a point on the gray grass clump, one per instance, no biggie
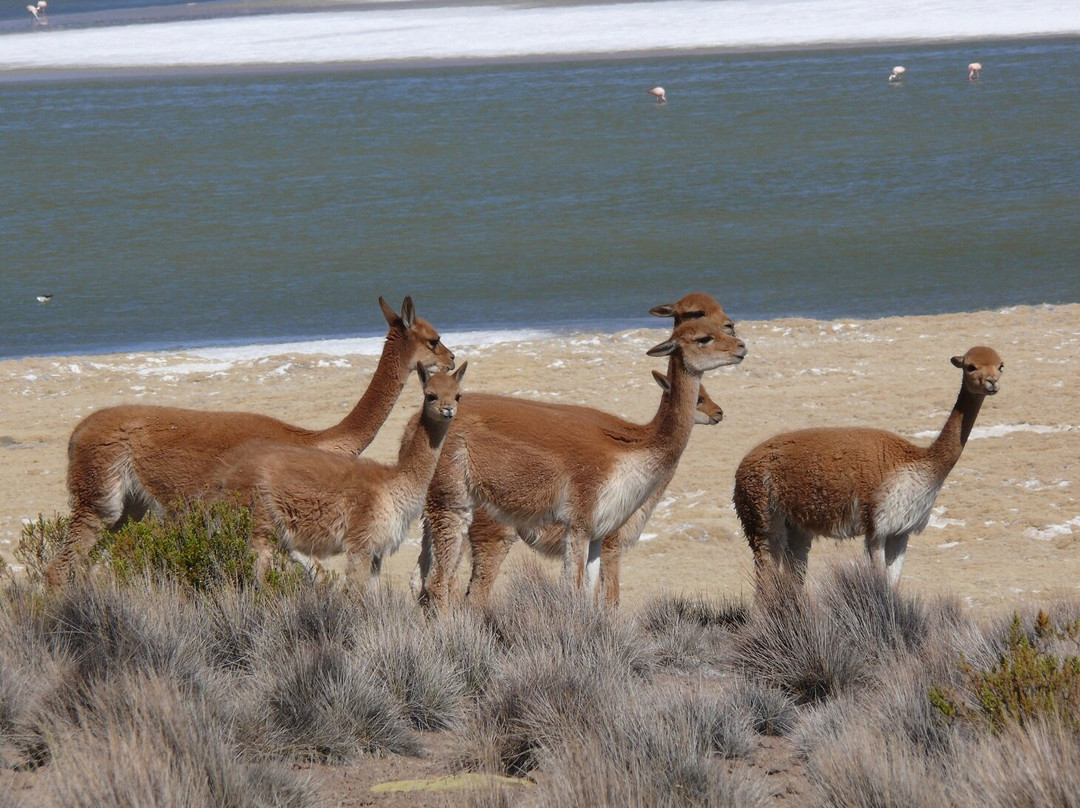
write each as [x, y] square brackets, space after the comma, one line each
[688, 633]
[532, 703]
[148, 743]
[711, 724]
[770, 711]
[859, 766]
[880, 619]
[1037, 764]
[320, 703]
[649, 749]
[425, 683]
[534, 613]
[792, 643]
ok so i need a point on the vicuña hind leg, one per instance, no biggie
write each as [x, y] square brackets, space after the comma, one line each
[895, 547]
[83, 529]
[797, 552]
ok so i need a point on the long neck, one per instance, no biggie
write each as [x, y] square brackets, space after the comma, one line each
[421, 445]
[357, 430]
[946, 448]
[675, 417]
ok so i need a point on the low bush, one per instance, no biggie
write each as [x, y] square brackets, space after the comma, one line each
[201, 545]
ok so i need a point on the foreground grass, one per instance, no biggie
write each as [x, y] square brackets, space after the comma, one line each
[148, 684]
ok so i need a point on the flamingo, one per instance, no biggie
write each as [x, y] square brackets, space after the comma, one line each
[897, 73]
[973, 70]
[37, 10]
[658, 92]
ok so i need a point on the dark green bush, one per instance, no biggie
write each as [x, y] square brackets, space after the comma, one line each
[39, 542]
[200, 545]
[1027, 683]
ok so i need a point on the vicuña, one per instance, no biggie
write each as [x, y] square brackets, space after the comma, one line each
[125, 460]
[490, 540]
[531, 466]
[842, 482]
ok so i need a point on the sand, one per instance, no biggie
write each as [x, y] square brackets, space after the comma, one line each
[1006, 527]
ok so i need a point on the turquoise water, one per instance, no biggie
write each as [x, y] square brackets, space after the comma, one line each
[182, 211]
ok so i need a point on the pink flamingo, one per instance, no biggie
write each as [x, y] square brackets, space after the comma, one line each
[658, 92]
[897, 73]
[973, 70]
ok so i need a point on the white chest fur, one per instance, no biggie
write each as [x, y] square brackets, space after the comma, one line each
[906, 498]
[633, 480]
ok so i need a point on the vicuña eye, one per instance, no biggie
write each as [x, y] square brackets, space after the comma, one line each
[430, 398]
[457, 397]
[970, 368]
[434, 343]
[704, 340]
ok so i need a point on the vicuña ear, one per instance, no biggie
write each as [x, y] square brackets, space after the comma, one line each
[664, 310]
[662, 380]
[387, 312]
[421, 372]
[408, 313]
[460, 372]
[958, 361]
[664, 348]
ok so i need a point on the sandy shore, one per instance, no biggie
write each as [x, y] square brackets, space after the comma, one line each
[1006, 528]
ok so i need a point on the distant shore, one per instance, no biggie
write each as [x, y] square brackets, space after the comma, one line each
[1006, 529]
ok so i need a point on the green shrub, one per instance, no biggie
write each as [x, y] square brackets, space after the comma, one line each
[1027, 683]
[39, 542]
[200, 545]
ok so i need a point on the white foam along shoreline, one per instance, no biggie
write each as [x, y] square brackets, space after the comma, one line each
[521, 31]
[352, 346]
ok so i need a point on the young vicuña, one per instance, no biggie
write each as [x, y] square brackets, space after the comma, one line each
[323, 503]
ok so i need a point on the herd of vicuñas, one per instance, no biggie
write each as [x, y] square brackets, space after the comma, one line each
[484, 470]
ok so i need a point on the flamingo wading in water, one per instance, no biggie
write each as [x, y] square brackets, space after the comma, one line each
[897, 74]
[658, 93]
[973, 70]
[37, 10]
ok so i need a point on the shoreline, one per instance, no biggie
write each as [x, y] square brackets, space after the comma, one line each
[1006, 527]
[232, 38]
[18, 76]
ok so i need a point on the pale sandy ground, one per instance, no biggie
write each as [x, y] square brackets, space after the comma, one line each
[1006, 528]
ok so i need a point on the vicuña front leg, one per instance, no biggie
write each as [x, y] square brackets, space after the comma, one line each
[490, 541]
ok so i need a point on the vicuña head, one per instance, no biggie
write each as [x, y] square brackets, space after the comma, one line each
[845, 482]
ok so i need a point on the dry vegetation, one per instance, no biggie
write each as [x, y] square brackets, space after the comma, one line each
[166, 678]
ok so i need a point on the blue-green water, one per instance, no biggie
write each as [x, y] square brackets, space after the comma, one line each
[169, 212]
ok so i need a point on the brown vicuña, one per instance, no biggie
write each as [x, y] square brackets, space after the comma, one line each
[126, 460]
[490, 540]
[323, 503]
[532, 465]
[842, 483]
